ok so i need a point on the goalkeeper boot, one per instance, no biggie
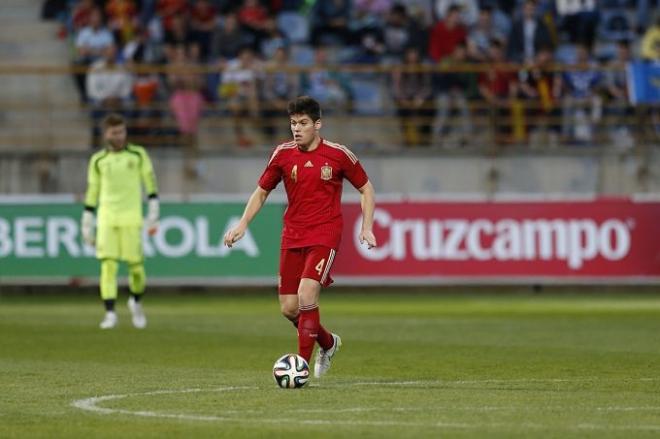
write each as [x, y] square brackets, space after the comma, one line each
[109, 321]
[324, 357]
[137, 313]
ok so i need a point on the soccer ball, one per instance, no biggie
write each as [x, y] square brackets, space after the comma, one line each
[291, 371]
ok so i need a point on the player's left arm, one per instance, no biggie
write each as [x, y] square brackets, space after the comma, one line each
[368, 204]
[151, 187]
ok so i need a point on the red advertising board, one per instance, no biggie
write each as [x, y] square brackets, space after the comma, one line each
[512, 241]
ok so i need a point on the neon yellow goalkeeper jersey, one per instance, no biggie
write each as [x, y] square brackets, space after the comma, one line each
[114, 185]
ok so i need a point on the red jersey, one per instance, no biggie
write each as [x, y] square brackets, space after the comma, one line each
[313, 181]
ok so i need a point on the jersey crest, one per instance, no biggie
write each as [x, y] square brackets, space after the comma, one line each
[326, 172]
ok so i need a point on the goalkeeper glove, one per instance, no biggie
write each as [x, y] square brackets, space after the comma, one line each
[153, 213]
[87, 227]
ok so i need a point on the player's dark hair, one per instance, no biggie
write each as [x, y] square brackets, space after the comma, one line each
[305, 105]
[112, 120]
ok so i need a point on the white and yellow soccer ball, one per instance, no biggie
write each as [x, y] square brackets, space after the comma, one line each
[291, 371]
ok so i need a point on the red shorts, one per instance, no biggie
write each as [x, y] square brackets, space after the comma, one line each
[313, 262]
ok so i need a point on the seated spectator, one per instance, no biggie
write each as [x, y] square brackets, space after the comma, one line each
[401, 31]
[167, 10]
[186, 100]
[178, 35]
[92, 42]
[497, 86]
[203, 17]
[582, 103]
[452, 91]
[81, 15]
[481, 34]
[371, 46]
[528, 34]
[447, 34]
[122, 18]
[239, 88]
[412, 89]
[469, 10]
[254, 18]
[272, 40]
[616, 83]
[280, 85]
[578, 20]
[330, 88]
[229, 38]
[109, 87]
[539, 87]
[330, 22]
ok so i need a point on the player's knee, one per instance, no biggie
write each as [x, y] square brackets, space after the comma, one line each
[289, 311]
[109, 267]
[136, 269]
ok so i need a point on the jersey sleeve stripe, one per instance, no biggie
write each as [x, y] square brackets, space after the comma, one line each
[279, 148]
[352, 157]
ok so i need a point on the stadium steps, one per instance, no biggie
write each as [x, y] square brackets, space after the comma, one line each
[37, 112]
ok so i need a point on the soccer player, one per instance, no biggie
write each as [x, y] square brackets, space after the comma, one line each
[114, 178]
[313, 170]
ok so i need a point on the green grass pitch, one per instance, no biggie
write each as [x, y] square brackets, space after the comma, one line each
[412, 365]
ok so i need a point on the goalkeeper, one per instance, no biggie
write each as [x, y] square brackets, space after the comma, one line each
[114, 191]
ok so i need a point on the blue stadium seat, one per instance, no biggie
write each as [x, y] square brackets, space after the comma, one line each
[615, 25]
[302, 55]
[294, 26]
[368, 97]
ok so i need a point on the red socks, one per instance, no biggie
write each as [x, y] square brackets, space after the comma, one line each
[310, 331]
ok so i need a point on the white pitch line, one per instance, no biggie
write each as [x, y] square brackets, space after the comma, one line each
[91, 404]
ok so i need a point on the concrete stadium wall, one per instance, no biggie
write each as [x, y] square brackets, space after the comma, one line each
[579, 173]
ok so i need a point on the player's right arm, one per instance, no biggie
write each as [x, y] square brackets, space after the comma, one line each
[267, 182]
[253, 206]
[91, 200]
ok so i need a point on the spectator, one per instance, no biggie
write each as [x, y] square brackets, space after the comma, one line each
[167, 10]
[578, 20]
[447, 34]
[330, 88]
[412, 88]
[273, 40]
[401, 31]
[329, 22]
[122, 18]
[178, 35]
[280, 85]
[469, 10]
[481, 34]
[203, 17]
[229, 38]
[497, 86]
[582, 104]
[254, 19]
[240, 89]
[616, 83]
[186, 101]
[81, 15]
[91, 44]
[539, 86]
[453, 89]
[528, 33]
[109, 87]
